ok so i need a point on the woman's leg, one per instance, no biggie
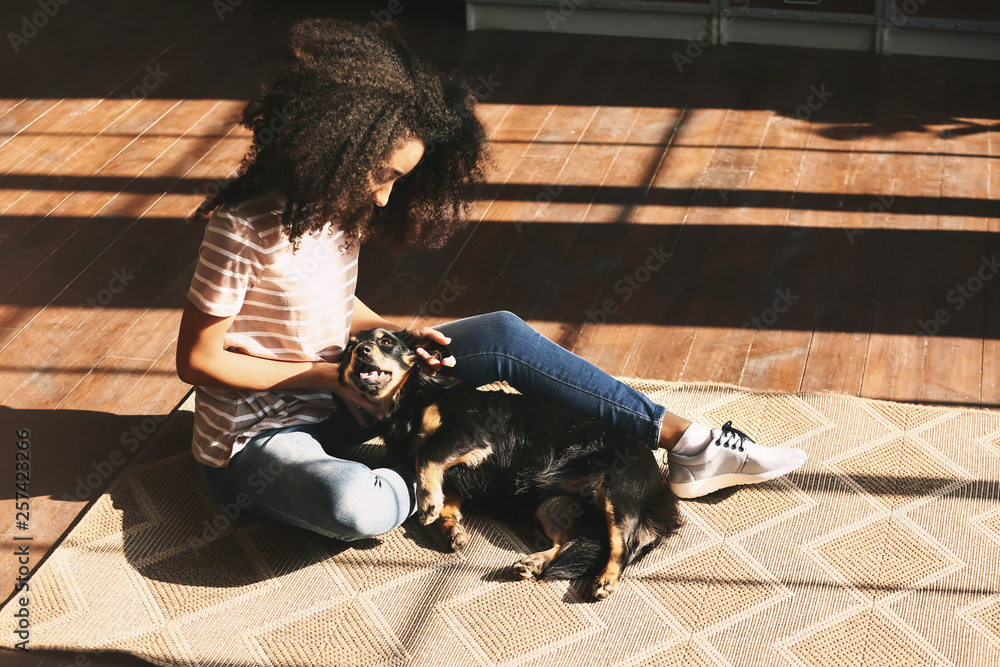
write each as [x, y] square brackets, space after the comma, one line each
[286, 475]
[500, 346]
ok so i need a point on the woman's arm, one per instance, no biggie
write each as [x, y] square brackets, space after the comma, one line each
[365, 318]
[203, 360]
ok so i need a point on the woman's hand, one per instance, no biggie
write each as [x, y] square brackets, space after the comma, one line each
[438, 337]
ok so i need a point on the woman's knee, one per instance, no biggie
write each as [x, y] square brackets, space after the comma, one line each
[507, 325]
[510, 335]
[365, 506]
[334, 497]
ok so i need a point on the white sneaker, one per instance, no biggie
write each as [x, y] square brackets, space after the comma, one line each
[730, 459]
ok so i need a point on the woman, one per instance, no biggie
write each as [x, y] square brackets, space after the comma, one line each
[353, 117]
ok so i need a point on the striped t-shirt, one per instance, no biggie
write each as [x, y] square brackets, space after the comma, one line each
[289, 306]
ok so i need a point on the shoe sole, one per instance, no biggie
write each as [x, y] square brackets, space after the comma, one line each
[689, 490]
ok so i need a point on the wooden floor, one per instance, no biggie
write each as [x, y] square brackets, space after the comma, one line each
[779, 219]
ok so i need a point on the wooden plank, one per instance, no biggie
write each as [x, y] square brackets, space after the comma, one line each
[953, 361]
[69, 216]
[496, 238]
[608, 334]
[516, 294]
[157, 391]
[27, 206]
[684, 142]
[545, 232]
[783, 330]
[576, 275]
[845, 164]
[106, 280]
[916, 287]
[101, 387]
[19, 118]
[657, 353]
[641, 253]
[990, 388]
[726, 278]
[456, 296]
[783, 327]
[59, 129]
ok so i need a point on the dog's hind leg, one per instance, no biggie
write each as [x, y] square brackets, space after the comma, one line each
[607, 582]
[556, 516]
[450, 521]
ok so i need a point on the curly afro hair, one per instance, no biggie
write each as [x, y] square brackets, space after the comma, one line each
[345, 98]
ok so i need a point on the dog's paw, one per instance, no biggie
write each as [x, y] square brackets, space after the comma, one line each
[429, 507]
[604, 587]
[530, 566]
[429, 515]
[522, 569]
[459, 538]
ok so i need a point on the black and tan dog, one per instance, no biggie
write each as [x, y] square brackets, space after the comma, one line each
[598, 494]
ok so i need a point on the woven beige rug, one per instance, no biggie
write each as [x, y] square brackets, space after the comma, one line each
[883, 550]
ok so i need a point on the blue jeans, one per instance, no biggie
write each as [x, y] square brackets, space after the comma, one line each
[294, 476]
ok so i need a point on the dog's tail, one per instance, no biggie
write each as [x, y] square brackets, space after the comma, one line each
[583, 556]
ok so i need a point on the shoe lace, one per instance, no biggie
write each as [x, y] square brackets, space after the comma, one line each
[731, 437]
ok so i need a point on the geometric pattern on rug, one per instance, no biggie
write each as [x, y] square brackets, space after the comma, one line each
[882, 550]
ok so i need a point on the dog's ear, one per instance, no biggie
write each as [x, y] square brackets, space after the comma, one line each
[345, 358]
[407, 338]
[349, 347]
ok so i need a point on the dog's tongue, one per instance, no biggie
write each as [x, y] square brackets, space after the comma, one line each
[377, 376]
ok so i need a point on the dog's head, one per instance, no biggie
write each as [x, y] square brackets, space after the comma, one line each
[378, 363]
